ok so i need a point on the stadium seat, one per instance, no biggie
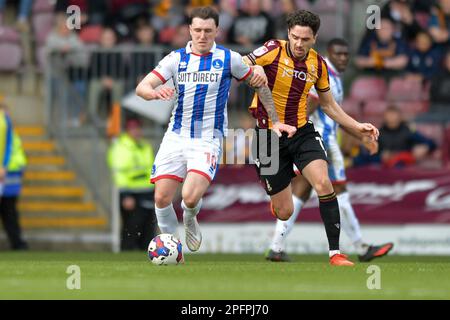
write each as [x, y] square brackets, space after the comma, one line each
[40, 6]
[376, 120]
[8, 34]
[432, 131]
[42, 25]
[374, 108]
[410, 109]
[405, 89]
[91, 34]
[352, 107]
[368, 88]
[10, 50]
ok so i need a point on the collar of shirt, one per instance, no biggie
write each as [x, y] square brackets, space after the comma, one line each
[189, 49]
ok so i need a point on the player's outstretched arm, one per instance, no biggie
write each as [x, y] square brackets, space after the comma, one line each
[149, 89]
[335, 112]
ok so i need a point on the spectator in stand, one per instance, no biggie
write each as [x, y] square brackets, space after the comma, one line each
[166, 17]
[22, 14]
[107, 72]
[287, 6]
[399, 145]
[439, 95]
[405, 25]
[252, 26]
[439, 24]
[92, 12]
[124, 14]
[143, 60]
[68, 50]
[381, 52]
[181, 37]
[424, 58]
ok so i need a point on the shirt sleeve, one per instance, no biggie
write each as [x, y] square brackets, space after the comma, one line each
[239, 69]
[323, 81]
[167, 67]
[265, 54]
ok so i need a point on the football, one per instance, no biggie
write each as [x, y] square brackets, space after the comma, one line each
[165, 249]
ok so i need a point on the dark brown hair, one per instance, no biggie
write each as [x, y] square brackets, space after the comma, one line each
[204, 13]
[304, 18]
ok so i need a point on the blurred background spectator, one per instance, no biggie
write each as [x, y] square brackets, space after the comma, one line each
[106, 72]
[439, 23]
[380, 51]
[405, 25]
[425, 57]
[252, 26]
[68, 50]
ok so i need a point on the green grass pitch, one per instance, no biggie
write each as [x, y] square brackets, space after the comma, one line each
[39, 275]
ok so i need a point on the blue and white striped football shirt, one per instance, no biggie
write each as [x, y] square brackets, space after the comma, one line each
[326, 126]
[202, 84]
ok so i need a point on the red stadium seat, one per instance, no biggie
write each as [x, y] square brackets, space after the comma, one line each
[368, 88]
[8, 34]
[352, 107]
[405, 89]
[91, 34]
[10, 50]
[42, 25]
[374, 108]
[10, 56]
[433, 131]
[410, 109]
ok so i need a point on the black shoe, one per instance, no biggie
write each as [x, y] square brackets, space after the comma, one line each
[376, 252]
[277, 256]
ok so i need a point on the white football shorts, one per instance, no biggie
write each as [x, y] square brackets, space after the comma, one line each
[178, 155]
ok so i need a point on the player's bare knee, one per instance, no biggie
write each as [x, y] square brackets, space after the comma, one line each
[323, 186]
[162, 200]
[190, 201]
[285, 212]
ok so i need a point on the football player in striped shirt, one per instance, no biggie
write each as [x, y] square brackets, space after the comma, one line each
[202, 74]
[293, 67]
[337, 61]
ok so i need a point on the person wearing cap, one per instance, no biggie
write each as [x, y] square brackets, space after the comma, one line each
[130, 159]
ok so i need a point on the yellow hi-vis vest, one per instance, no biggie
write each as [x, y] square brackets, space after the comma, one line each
[18, 159]
[131, 163]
